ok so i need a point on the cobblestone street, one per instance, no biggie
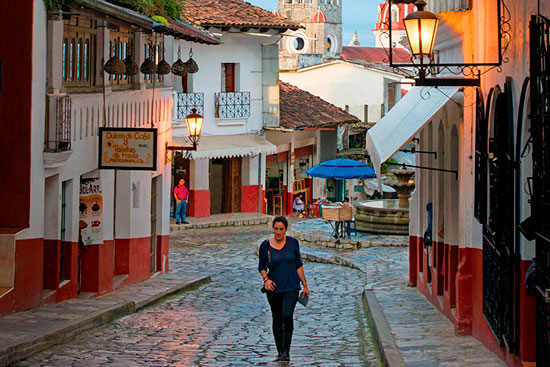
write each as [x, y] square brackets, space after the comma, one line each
[227, 322]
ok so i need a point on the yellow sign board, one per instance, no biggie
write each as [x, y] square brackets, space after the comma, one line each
[128, 148]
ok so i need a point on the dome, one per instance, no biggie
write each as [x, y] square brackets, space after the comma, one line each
[319, 17]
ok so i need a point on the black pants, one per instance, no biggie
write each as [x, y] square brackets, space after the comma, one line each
[282, 310]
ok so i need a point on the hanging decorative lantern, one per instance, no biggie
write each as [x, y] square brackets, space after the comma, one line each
[179, 68]
[192, 66]
[132, 67]
[163, 67]
[148, 67]
[421, 27]
[114, 65]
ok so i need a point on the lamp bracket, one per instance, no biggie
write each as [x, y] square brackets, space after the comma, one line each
[452, 82]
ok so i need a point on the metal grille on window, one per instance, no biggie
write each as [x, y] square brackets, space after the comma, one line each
[498, 232]
[186, 102]
[540, 204]
[59, 135]
[233, 104]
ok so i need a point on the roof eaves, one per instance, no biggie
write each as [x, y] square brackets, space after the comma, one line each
[118, 12]
[181, 30]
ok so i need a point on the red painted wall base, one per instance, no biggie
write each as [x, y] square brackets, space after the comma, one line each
[199, 203]
[249, 198]
[457, 275]
[163, 249]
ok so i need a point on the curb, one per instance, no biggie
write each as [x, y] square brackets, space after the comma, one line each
[342, 243]
[32, 345]
[389, 353]
[223, 223]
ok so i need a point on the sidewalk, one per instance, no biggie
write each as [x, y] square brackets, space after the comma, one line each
[220, 220]
[408, 329]
[25, 333]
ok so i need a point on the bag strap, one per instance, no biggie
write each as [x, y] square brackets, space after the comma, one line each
[268, 252]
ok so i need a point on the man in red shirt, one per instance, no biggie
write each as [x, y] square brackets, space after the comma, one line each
[182, 196]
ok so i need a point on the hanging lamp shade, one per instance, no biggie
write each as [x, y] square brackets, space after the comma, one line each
[192, 66]
[132, 67]
[163, 67]
[179, 68]
[421, 27]
[114, 66]
[148, 67]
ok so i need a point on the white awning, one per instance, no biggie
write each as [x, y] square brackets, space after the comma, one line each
[404, 121]
[225, 146]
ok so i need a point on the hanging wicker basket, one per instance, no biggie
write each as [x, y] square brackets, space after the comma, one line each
[148, 67]
[163, 67]
[114, 66]
[192, 66]
[179, 68]
[132, 67]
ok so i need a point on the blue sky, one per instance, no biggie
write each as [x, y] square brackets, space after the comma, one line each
[357, 14]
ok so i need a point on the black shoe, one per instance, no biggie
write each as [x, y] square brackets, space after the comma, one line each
[284, 358]
[185, 222]
[177, 222]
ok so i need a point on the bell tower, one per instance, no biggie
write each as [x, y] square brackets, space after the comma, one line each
[319, 40]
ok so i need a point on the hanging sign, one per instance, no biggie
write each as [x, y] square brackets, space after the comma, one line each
[91, 211]
[127, 148]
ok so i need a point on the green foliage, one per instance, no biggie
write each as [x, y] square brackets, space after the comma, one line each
[53, 4]
[161, 20]
[151, 8]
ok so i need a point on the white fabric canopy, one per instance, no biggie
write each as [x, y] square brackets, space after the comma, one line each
[225, 146]
[404, 121]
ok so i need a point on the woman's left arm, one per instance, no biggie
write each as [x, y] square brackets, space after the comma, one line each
[302, 277]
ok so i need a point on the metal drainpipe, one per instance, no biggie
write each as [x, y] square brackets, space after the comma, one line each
[260, 183]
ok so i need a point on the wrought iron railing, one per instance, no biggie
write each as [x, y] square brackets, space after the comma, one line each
[233, 104]
[540, 203]
[186, 102]
[58, 132]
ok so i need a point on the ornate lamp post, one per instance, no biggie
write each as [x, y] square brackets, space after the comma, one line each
[421, 27]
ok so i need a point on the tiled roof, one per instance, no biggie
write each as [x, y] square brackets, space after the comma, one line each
[232, 13]
[301, 109]
[375, 54]
[187, 32]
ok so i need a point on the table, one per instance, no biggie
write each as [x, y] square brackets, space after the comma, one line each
[337, 215]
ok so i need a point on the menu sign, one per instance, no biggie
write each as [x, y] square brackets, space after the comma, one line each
[121, 148]
[91, 211]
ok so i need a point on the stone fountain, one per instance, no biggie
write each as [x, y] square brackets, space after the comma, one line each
[388, 216]
[404, 186]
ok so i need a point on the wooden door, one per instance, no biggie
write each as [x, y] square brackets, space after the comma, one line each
[231, 198]
[229, 70]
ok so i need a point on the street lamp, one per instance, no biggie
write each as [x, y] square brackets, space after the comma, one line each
[421, 27]
[194, 127]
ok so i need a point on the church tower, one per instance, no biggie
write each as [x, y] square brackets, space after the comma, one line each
[396, 14]
[319, 40]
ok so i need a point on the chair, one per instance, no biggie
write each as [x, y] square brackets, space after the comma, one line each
[349, 223]
[278, 204]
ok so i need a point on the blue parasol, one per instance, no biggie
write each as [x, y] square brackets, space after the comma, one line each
[341, 169]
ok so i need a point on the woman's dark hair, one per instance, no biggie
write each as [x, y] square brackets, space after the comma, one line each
[280, 219]
[346, 199]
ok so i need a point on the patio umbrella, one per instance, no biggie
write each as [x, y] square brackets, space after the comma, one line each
[341, 169]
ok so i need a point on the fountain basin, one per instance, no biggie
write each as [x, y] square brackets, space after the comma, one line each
[382, 216]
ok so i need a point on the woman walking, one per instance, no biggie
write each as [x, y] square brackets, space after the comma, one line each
[281, 268]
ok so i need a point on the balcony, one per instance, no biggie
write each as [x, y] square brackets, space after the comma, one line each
[185, 102]
[232, 105]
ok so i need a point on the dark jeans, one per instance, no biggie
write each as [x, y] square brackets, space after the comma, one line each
[282, 310]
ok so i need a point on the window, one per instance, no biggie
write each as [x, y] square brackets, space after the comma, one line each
[78, 53]
[229, 79]
[366, 113]
[394, 16]
[297, 43]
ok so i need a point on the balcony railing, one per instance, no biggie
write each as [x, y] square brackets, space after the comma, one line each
[58, 125]
[185, 102]
[233, 104]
